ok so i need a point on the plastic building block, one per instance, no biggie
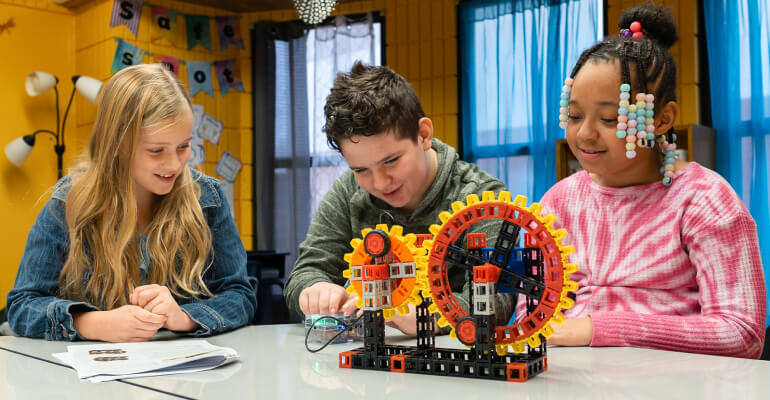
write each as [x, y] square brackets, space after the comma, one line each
[389, 270]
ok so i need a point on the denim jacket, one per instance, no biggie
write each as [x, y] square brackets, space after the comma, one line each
[35, 310]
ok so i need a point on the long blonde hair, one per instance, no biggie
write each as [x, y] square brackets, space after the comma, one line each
[101, 210]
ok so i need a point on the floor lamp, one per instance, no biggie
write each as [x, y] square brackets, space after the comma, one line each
[19, 149]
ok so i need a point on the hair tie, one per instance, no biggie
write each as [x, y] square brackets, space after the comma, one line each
[634, 31]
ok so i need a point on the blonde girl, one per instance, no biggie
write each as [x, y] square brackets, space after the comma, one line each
[134, 240]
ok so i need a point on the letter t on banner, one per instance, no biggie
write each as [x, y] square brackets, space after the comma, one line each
[229, 75]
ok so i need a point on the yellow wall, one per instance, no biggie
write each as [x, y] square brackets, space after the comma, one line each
[43, 40]
[685, 52]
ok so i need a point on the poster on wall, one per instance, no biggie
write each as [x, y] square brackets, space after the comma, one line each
[210, 128]
[227, 187]
[228, 167]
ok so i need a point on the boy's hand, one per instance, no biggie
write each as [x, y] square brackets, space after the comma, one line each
[128, 323]
[407, 323]
[158, 300]
[572, 332]
[326, 298]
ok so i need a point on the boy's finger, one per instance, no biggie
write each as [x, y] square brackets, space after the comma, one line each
[303, 301]
[323, 302]
[350, 305]
[335, 300]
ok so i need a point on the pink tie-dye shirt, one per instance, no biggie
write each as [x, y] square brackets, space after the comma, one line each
[673, 268]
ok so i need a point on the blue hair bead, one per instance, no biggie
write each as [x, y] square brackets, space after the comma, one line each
[564, 103]
[631, 115]
[565, 96]
[669, 161]
[622, 111]
[621, 134]
[667, 180]
[650, 136]
[625, 87]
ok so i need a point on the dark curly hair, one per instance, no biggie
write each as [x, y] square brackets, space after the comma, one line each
[370, 100]
[654, 66]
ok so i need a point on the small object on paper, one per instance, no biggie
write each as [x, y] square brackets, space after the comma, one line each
[228, 167]
[210, 128]
[110, 361]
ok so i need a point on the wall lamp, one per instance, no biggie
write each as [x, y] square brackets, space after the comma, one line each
[18, 150]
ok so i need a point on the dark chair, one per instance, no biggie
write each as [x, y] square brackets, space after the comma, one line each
[268, 268]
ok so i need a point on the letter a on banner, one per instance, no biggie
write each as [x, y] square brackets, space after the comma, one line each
[199, 77]
[126, 55]
[126, 12]
[163, 24]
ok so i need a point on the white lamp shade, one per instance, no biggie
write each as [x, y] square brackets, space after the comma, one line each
[88, 87]
[38, 82]
[17, 151]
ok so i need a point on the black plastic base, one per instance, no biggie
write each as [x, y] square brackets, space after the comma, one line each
[448, 362]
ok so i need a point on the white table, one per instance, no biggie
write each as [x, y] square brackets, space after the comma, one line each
[275, 365]
[24, 377]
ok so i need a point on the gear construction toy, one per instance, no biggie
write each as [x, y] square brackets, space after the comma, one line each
[389, 270]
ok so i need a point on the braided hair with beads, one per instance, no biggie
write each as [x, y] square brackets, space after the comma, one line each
[647, 32]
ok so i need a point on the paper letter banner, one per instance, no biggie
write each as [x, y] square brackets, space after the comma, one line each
[163, 24]
[229, 29]
[172, 63]
[199, 77]
[126, 55]
[126, 12]
[198, 31]
[229, 75]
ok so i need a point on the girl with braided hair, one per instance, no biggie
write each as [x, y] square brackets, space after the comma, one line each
[668, 254]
